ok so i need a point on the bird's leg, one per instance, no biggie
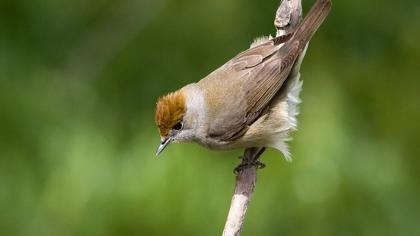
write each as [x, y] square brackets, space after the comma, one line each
[250, 159]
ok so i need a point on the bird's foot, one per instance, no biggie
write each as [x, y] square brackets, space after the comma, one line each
[246, 163]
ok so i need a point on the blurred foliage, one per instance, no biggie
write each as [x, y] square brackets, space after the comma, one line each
[78, 85]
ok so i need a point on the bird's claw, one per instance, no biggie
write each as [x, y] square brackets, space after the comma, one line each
[245, 164]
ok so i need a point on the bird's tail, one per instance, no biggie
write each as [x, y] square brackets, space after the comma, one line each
[310, 23]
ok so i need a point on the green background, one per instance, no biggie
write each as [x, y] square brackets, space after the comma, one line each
[79, 81]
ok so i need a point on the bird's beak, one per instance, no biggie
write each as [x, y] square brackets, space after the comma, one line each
[163, 145]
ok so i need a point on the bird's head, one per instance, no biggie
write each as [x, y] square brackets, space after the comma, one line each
[171, 119]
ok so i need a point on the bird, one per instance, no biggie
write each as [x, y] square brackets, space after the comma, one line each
[251, 101]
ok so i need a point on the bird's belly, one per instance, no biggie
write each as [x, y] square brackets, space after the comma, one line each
[272, 128]
[214, 144]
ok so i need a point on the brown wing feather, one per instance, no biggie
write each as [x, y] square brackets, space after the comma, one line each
[256, 55]
[237, 72]
[267, 79]
[269, 69]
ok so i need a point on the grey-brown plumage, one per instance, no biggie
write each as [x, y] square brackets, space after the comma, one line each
[251, 100]
[257, 74]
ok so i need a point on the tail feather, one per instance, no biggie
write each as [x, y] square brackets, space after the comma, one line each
[310, 23]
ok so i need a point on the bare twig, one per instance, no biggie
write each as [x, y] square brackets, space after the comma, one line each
[244, 187]
[288, 16]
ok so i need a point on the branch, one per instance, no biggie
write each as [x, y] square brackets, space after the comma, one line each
[288, 16]
[244, 187]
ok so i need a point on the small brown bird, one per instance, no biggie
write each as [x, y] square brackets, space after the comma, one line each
[250, 101]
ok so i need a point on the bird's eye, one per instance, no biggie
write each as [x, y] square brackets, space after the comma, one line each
[178, 126]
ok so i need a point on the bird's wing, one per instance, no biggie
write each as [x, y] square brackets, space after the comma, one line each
[256, 55]
[258, 74]
[261, 83]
